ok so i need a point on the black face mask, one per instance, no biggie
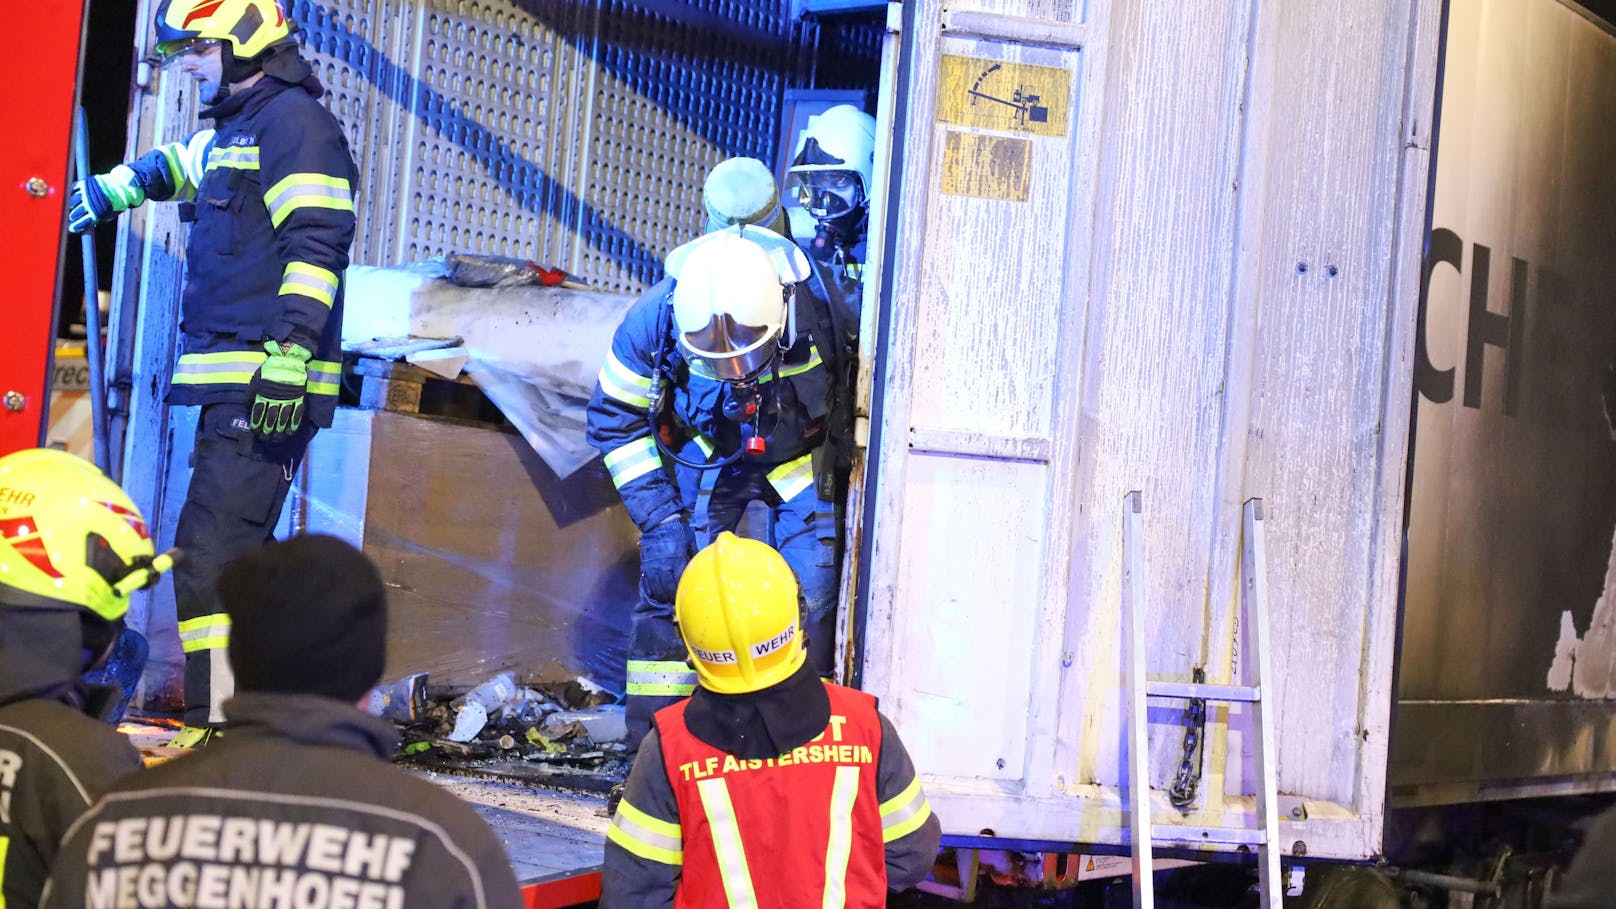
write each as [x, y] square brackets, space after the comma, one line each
[96, 636]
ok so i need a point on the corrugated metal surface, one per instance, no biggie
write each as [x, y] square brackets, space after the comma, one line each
[1202, 289]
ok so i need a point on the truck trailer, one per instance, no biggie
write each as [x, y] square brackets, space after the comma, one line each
[1133, 259]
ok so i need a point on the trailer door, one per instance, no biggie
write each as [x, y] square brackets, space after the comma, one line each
[1153, 246]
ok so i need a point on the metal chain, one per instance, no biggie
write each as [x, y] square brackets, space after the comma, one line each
[1182, 792]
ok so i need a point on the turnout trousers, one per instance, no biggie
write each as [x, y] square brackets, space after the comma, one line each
[238, 487]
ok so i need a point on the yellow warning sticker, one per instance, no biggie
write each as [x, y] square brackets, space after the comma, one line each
[1005, 96]
[987, 167]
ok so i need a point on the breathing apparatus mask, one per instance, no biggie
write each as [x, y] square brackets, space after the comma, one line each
[732, 306]
[831, 176]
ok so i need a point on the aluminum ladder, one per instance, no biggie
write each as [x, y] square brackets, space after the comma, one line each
[1254, 606]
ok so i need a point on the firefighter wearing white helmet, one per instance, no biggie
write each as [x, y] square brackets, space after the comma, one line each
[72, 549]
[718, 393]
[270, 194]
[832, 178]
[820, 802]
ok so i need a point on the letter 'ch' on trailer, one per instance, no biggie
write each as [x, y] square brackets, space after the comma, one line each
[1508, 666]
[1177, 252]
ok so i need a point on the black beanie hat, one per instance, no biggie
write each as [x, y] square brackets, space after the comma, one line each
[307, 616]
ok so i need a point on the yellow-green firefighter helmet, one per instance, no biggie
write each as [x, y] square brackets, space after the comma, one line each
[69, 536]
[248, 26]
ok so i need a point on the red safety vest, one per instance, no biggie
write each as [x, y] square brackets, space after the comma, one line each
[803, 829]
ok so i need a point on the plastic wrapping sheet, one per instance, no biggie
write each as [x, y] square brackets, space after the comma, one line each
[534, 351]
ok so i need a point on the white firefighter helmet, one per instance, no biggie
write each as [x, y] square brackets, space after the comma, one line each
[833, 166]
[732, 299]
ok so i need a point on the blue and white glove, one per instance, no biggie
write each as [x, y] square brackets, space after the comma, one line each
[102, 198]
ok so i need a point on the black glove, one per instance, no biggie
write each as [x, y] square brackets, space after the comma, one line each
[665, 550]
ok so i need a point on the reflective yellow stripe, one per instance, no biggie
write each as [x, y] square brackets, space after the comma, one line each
[185, 162]
[799, 369]
[310, 281]
[703, 443]
[660, 678]
[237, 367]
[903, 814]
[240, 157]
[793, 477]
[624, 384]
[176, 171]
[646, 836]
[230, 367]
[325, 377]
[209, 632]
[840, 845]
[727, 843]
[5, 846]
[629, 462]
[307, 191]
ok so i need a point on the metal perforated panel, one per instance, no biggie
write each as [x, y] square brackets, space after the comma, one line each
[479, 141]
[849, 50]
[664, 115]
[346, 46]
[572, 134]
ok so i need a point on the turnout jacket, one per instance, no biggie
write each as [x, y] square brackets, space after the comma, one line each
[837, 821]
[813, 400]
[295, 806]
[54, 761]
[55, 756]
[271, 192]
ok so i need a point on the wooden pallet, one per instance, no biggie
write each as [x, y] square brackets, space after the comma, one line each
[399, 387]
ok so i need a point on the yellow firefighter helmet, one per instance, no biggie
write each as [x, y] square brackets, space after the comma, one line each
[739, 611]
[248, 26]
[69, 536]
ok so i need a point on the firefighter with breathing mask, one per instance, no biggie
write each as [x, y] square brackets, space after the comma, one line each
[832, 178]
[721, 388]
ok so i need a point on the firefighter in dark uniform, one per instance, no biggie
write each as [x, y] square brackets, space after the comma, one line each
[768, 786]
[270, 192]
[832, 178]
[722, 387]
[298, 804]
[72, 548]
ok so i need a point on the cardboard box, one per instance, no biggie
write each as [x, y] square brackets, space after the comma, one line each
[491, 561]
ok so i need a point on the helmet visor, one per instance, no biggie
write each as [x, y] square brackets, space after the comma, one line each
[171, 53]
[826, 193]
[727, 350]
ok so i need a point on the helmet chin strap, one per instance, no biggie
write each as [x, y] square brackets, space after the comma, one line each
[232, 70]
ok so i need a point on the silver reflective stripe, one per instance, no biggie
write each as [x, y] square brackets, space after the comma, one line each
[651, 837]
[903, 814]
[204, 369]
[839, 847]
[624, 384]
[633, 460]
[792, 478]
[659, 678]
[241, 157]
[727, 843]
[208, 632]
